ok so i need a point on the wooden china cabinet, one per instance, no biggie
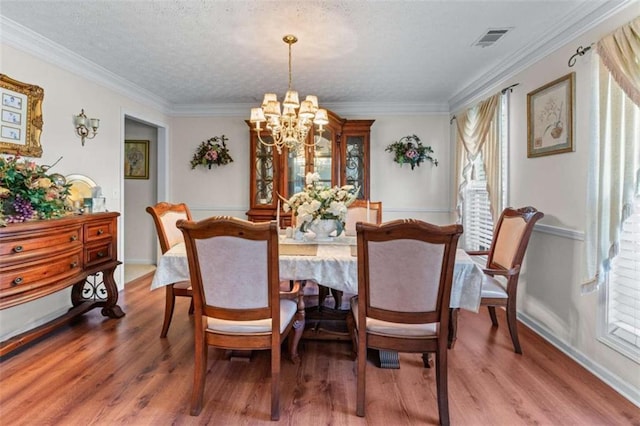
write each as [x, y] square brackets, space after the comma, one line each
[341, 157]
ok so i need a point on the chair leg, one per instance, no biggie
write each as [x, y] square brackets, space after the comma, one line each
[492, 314]
[513, 325]
[337, 297]
[295, 335]
[199, 372]
[426, 359]
[169, 304]
[441, 383]
[362, 369]
[351, 326]
[275, 382]
[323, 292]
[191, 308]
[453, 326]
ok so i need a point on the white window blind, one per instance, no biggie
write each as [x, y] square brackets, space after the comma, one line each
[477, 220]
[624, 283]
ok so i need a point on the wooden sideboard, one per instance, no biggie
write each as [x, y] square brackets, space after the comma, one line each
[42, 257]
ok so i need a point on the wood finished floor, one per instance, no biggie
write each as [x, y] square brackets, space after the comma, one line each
[119, 372]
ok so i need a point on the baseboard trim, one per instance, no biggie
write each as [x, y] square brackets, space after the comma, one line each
[624, 389]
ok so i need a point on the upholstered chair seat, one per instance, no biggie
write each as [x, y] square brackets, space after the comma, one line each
[395, 329]
[288, 309]
[494, 287]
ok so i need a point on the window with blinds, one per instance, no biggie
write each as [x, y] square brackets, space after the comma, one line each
[476, 219]
[623, 296]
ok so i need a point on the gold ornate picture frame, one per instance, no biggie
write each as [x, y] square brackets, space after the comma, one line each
[136, 159]
[550, 118]
[20, 117]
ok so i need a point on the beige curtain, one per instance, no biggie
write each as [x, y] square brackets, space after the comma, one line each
[619, 52]
[478, 133]
[614, 165]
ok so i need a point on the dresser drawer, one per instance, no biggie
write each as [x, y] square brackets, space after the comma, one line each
[26, 246]
[45, 271]
[96, 254]
[99, 230]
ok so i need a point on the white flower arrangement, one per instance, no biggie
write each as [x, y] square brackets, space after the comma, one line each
[318, 201]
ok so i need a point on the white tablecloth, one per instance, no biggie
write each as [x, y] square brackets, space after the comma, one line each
[332, 266]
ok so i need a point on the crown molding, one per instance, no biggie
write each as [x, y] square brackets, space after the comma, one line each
[24, 39]
[342, 108]
[484, 84]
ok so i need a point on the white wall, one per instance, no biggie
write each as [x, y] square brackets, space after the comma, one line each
[549, 298]
[420, 193]
[139, 232]
[65, 94]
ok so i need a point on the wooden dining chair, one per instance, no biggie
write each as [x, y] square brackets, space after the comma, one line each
[356, 212]
[504, 262]
[234, 269]
[165, 215]
[415, 259]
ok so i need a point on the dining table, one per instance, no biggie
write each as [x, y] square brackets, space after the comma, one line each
[332, 262]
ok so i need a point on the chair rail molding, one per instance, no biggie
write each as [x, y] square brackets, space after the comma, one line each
[559, 231]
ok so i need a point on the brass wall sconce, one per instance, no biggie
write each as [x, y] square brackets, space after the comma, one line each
[84, 124]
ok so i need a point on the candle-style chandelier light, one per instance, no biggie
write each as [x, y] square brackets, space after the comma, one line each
[289, 127]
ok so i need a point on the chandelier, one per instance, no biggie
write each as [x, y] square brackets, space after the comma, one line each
[289, 127]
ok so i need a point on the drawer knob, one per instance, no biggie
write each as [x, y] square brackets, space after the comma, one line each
[74, 238]
[74, 265]
[17, 280]
[101, 254]
[100, 231]
[18, 249]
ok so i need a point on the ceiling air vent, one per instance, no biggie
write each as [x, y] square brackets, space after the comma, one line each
[491, 37]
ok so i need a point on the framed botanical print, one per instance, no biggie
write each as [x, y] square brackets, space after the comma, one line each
[136, 159]
[20, 117]
[550, 118]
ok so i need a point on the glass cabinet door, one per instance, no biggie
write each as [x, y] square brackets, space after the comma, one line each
[296, 171]
[309, 159]
[354, 163]
[263, 173]
[323, 157]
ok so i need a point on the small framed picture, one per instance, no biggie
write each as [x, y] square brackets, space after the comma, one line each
[550, 118]
[136, 159]
[20, 117]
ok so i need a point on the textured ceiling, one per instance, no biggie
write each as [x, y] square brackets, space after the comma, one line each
[226, 52]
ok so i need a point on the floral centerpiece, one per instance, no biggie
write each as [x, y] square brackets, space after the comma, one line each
[27, 192]
[410, 150]
[319, 201]
[212, 151]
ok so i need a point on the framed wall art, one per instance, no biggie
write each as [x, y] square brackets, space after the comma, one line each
[136, 159]
[20, 117]
[550, 118]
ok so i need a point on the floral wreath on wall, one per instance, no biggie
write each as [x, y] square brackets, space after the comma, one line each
[212, 151]
[27, 192]
[410, 150]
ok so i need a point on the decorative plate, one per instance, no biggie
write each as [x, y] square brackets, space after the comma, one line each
[80, 188]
